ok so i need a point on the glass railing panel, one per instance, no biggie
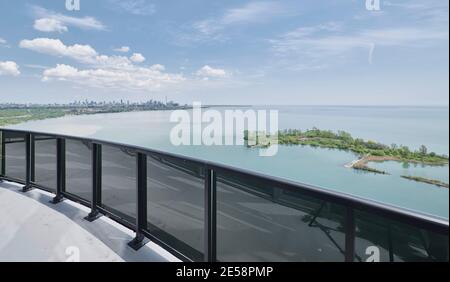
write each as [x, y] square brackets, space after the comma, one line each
[381, 239]
[175, 203]
[259, 222]
[15, 155]
[119, 181]
[79, 169]
[45, 166]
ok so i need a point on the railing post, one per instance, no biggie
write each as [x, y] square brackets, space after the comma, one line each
[349, 235]
[276, 194]
[210, 216]
[96, 182]
[60, 170]
[33, 158]
[141, 201]
[2, 156]
[390, 244]
[28, 161]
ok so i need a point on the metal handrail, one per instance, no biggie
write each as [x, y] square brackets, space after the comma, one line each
[351, 202]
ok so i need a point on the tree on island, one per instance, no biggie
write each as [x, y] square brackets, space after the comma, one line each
[423, 150]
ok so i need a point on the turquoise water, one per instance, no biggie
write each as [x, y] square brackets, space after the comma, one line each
[410, 126]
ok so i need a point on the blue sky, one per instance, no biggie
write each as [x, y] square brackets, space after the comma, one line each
[226, 52]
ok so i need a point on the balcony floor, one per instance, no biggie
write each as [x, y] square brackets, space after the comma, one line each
[32, 229]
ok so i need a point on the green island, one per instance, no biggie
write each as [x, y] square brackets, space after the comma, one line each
[368, 151]
[11, 114]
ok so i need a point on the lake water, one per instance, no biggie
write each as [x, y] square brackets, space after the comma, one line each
[410, 126]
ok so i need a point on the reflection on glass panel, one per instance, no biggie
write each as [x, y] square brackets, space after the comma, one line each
[175, 200]
[256, 222]
[45, 161]
[79, 169]
[380, 239]
[15, 155]
[372, 238]
[119, 181]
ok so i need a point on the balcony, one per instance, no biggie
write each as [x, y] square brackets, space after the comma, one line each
[203, 211]
[33, 229]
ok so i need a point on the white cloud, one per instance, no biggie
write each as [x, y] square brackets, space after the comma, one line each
[9, 68]
[49, 21]
[253, 12]
[54, 47]
[137, 58]
[325, 41]
[109, 72]
[61, 72]
[4, 43]
[135, 7]
[207, 71]
[303, 32]
[50, 25]
[133, 78]
[33, 66]
[81, 53]
[112, 61]
[402, 36]
[158, 67]
[123, 49]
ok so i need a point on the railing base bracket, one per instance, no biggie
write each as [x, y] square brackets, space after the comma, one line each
[137, 243]
[26, 188]
[57, 199]
[93, 216]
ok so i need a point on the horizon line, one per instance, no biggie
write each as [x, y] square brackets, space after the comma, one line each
[250, 105]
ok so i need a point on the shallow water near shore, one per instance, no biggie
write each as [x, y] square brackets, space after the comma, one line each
[407, 169]
[411, 126]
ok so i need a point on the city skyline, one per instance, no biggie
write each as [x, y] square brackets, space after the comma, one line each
[230, 52]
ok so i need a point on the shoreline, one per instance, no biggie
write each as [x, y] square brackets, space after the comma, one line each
[367, 159]
[362, 164]
[368, 151]
[6, 121]
[434, 182]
